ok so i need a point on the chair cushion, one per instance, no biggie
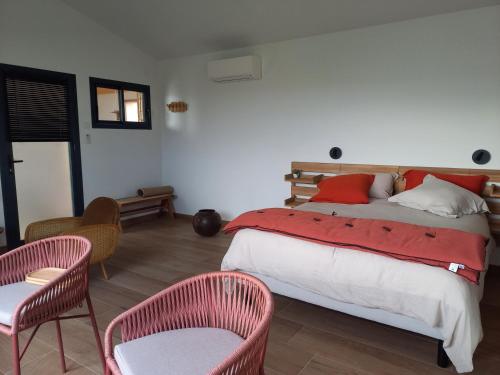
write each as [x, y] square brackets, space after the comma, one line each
[10, 296]
[190, 351]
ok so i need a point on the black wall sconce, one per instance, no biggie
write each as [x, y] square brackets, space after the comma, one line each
[335, 153]
[481, 157]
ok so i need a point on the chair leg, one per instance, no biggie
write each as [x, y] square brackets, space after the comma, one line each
[16, 361]
[96, 332]
[103, 270]
[61, 347]
[171, 208]
[261, 368]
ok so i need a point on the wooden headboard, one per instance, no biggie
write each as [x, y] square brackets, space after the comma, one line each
[304, 187]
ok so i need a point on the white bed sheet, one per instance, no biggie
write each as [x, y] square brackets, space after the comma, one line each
[437, 297]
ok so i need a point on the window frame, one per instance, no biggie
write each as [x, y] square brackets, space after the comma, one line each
[121, 87]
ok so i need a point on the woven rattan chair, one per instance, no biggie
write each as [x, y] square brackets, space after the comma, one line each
[100, 224]
[24, 305]
[191, 320]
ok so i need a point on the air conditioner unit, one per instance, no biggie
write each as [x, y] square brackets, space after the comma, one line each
[237, 69]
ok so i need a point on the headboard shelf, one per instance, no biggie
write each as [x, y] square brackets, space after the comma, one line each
[492, 191]
[304, 178]
[294, 201]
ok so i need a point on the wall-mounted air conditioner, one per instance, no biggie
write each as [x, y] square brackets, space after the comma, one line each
[237, 69]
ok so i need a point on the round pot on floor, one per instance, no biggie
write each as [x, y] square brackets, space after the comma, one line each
[207, 222]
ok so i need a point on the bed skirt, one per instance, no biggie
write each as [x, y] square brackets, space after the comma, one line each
[376, 315]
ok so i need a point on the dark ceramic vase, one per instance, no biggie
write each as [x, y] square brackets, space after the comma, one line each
[207, 222]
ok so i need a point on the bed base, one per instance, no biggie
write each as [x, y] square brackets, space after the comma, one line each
[442, 358]
[377, 315]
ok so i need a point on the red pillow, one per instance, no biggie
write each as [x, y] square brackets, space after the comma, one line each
[348, 188]
[472, 183]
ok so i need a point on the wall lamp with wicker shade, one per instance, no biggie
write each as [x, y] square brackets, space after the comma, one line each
[177, 107]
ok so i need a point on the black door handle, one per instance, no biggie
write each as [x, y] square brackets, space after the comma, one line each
[12, 161]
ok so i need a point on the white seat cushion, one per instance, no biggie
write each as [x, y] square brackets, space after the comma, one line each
[10, 296]
[190, 351]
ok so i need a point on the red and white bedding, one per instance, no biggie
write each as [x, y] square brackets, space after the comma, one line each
[461, 252]
[436, 296]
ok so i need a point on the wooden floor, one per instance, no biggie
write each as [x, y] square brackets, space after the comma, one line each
[304, 339]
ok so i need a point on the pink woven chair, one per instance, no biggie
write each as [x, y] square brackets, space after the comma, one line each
[24, 305]
[231, 302]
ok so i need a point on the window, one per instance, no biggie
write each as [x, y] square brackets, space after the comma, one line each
[119, 105]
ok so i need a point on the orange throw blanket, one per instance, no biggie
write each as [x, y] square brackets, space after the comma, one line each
[460, 252]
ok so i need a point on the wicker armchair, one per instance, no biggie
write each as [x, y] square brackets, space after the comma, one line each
[100, 224]
[229, 303]
[25, 305]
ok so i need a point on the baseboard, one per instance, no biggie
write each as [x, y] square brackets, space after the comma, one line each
[495, 256]
[183, 216]
[190, 217]
[126, 223]
[493, 270]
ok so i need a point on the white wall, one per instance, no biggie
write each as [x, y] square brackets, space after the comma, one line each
[421, 92]
[50, 35]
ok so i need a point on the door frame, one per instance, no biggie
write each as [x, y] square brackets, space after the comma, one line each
[8, 182]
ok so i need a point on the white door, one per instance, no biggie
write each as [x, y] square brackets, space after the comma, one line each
[43, 181]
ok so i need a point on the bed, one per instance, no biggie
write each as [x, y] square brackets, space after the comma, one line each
[411, 296]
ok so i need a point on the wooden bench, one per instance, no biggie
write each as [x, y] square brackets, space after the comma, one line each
[134, 205]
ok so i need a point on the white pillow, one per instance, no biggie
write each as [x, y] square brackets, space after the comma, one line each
[441, 198]
[383, 185]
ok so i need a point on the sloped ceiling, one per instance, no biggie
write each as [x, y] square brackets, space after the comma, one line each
[168, 28]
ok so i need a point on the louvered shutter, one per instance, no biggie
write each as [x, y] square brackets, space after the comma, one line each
[37, 111]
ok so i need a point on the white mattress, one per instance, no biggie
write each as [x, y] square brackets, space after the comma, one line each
[445, 302]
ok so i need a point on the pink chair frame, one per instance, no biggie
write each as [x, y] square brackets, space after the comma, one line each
[230, 300]
[62, 294]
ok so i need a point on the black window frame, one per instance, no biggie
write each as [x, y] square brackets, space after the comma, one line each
[120, 86]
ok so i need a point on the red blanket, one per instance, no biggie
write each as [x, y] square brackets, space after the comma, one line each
[455, 250]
